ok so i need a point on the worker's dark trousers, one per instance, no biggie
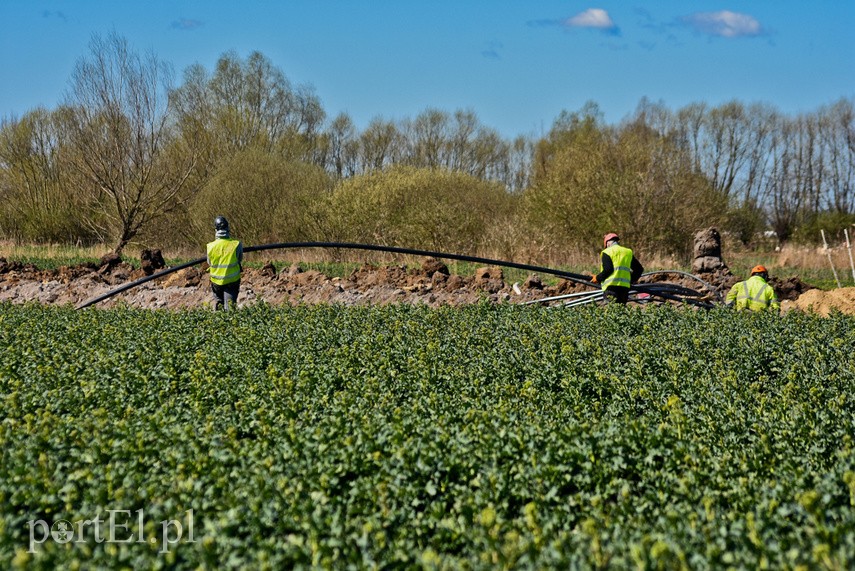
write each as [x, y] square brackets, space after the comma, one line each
[225, 296]
[615, 294]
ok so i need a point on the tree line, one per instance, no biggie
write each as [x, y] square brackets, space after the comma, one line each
[133, 156]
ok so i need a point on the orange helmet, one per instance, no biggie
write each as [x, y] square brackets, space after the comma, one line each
[609, 236]
[759, 269]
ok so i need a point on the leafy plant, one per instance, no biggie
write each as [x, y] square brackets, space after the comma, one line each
[400, 436]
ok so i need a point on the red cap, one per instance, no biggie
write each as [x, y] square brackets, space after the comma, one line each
[609, 236]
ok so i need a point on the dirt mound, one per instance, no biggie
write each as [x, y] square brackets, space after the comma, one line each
[431, 284]
[713, 283]
[707, 250]
[791, 288]
[824, 302]
[722, 280]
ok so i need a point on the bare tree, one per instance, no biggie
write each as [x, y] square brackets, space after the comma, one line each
[250, 103]
[811, 161]
[34, 200]
[690, 121]
[761, 122]
[342, 148]
[520, 160]
[125, 150]
[837, 131]
[782, 189]
[381, 144]
[456, 142]
[427, 137]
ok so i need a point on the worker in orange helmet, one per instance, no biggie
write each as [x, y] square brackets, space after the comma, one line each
[619, 269]
[754, 294]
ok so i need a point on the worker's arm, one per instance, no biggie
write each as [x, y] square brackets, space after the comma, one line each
[774, 304]
[608, 268]
[637, 269]
[730, 300]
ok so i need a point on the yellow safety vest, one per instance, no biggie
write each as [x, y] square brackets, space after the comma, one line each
[223, 260]
[622, 262]
[754, 294]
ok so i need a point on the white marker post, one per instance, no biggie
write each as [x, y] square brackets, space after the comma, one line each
[828, 252]
[849, 249]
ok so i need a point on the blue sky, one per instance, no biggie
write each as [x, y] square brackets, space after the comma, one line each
[517, 64]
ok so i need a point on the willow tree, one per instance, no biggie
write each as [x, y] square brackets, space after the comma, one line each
[249, 103]
[592, 179]
[128, 158]
[265, 197]
[435, 209]
[34, 200]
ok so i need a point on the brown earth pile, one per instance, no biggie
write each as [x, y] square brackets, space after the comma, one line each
[431, 284]
[824, 302]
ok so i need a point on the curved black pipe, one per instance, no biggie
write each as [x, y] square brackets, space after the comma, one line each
[140, 281]
[708, 285]
[352, 246]
[666, 291]
[413, 252]
[665, 287]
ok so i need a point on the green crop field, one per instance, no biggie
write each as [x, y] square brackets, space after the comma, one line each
[489, 436]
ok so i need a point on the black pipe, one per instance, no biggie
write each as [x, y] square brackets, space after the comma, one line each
[652, 289]
[665, 287]
[140, 281]
[396, 250]
[708, 285]
[688, 300]
[352, 246]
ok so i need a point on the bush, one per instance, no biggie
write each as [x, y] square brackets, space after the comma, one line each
[265, 198]
[745, 222]
[420, 208]
[832, 223]
[37, 198]
[597, 181]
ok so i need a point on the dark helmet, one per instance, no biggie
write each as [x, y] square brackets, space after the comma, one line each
[220, 223]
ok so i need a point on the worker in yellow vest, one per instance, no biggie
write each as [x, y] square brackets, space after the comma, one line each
[225, 255]
[754, 294]
[619, 269]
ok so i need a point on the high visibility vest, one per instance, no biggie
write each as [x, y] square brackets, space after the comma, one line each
[223, 260]
[754, 294]
[622, 262]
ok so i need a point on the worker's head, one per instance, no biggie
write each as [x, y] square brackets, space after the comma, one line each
[221, 225]
[760, 270]
[610, 237]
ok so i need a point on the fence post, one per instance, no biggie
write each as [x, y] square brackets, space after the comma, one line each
[828, 252]
[849, 249]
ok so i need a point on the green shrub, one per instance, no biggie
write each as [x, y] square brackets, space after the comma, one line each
[832, 223]
[592, 180]
[265, 198]
[424, 208]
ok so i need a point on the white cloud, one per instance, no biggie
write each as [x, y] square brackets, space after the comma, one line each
[725, 24]
[591, 18]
